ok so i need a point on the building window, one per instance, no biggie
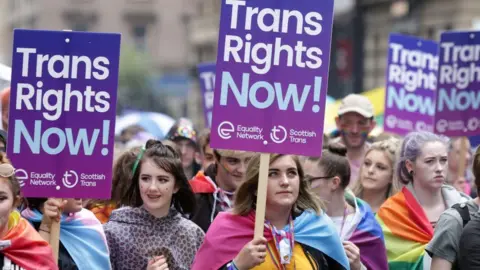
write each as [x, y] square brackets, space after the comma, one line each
[140, 36]
[79, 26]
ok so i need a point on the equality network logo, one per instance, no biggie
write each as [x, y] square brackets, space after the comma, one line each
[225, 130]
[70, 179]
[21, 176]
[278, 134]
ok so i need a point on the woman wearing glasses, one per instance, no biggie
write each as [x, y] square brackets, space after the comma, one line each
[149, 232]
[215, 189]
[362, 236]
[21, 246]
[298, 235]
[376, 178]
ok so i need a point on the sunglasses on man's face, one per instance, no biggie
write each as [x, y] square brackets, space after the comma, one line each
[6, 170]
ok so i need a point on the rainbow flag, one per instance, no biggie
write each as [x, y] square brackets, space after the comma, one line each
[406, 229]
[365, 232]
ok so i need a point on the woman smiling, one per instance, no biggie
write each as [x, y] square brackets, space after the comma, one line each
[150, 232]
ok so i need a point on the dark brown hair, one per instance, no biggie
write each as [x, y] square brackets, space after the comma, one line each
[204, 140]
[334, 162]
[166, 158]
[476, 169]
[245, 196]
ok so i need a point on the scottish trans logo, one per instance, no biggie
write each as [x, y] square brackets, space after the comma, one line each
[278, 134]
[70, 179]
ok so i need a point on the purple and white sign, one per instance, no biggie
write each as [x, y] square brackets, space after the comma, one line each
[458, 94]
[62, 112]
[411, 83]
[206, 73]
[272, 76]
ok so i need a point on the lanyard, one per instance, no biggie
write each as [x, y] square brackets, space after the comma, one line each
[284, 243]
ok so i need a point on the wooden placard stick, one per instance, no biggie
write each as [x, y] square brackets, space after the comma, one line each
[55, 235]
[261, 195]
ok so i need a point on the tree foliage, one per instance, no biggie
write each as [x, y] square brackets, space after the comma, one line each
[136, 90]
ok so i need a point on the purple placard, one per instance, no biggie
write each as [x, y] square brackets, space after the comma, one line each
[458, 95]
[411, 81]
[206, 74]
[62, 112]
[272, 65]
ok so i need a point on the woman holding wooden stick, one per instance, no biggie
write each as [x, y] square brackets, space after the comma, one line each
[82, 244]
[298, 234]
[21, 246]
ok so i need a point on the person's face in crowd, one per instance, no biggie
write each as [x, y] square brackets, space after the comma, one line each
[430, 167]
[460, 184]
[454, 155]
[283, 183]
[73, 206]
[208, 157]
[7, 202]
[231, 171]
[156, 186]
[321, 184]
[5, 119]
[376, 171]
[187, 149]
[354, 129]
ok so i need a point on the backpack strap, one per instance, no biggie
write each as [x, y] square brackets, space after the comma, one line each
[462, 209]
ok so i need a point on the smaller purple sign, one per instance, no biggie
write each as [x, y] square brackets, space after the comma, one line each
[206, 74]
[411, 81]
[458, 94]
[62, 112]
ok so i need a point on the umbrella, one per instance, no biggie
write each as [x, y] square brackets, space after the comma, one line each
[157, 124]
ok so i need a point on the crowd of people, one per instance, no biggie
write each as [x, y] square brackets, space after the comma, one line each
[365, 203]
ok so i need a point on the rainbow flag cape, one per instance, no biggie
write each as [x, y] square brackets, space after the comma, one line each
[229, 233]
[365, 232]
[25, 247]
[406, 229]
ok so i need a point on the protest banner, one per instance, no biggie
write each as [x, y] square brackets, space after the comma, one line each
[62, 112]
[458, 95]
[411, 82]
[272, 64]
[206, 74]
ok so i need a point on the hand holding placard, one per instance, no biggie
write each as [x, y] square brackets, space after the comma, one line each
[272, 76]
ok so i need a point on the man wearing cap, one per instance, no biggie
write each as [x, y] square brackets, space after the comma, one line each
[354, 122]
[185, 136]
[215, 189]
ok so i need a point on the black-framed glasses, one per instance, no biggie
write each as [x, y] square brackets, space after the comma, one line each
[311, 178]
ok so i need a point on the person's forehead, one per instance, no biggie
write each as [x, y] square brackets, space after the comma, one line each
[353, 116]
[433, 149]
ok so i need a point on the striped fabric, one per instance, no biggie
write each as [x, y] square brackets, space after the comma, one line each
[406, 230]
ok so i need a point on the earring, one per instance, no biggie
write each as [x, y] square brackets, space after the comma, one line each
[411, 173]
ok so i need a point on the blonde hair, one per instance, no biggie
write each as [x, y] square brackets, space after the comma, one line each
[245, 196]
[390, 148]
